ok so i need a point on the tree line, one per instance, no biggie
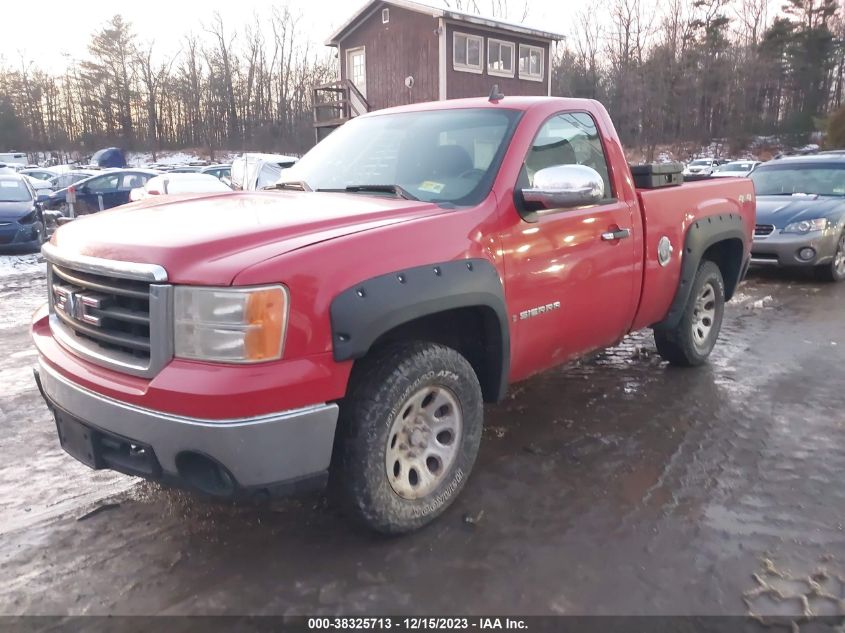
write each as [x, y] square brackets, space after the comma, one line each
[670, 73]
[697, 70]
[225, 89]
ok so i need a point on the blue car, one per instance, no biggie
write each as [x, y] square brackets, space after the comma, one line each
[102, 191]
[21, 219]
[801, 214]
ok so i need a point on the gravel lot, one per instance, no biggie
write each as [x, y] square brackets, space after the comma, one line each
[614, 485]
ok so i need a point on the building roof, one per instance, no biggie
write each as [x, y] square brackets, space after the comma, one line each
[440, 12]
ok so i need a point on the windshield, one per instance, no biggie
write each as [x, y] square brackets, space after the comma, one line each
[810, 178]
[14, 191]
[737, 167]
[701, 162]
[447, 156]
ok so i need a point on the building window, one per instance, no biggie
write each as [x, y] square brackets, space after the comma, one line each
[467, 52]
[531, 60]
[385, 16]
[500, 58]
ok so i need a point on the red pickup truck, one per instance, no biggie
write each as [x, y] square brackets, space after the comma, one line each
[348, 326]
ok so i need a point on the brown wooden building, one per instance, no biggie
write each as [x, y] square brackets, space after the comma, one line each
[394, 52]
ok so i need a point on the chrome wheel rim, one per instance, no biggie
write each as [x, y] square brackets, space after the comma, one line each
[423, 442]
[703, 315]
[839, 258]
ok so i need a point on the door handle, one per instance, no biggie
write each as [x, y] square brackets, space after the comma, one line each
[618, 234]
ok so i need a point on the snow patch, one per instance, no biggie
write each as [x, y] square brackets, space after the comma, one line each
[140, 159]
[760, 303]
[17, 265]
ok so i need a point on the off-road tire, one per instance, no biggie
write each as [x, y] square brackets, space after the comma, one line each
[380, 389]
[834, 271]
[680, 346]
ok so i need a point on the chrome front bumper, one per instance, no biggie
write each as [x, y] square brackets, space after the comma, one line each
[781, 249]
[258, 452]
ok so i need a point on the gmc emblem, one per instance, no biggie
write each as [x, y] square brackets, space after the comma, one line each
[77, 304]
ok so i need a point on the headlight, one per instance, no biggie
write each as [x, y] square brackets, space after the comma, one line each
[805, 226]
[29, 218]
[230, 325]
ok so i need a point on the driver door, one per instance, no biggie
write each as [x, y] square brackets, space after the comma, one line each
[95, 192]
[570, 284]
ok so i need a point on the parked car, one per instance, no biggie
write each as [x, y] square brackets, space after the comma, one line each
[411, 266]
[184, 169]
[736, 168]
[21, 221]
[39, 173]
[179, 183]
[223, 172]
[40, 186]
[801, 214]
[18, 160]
[104, 190]
[251, 172]
[700, 167]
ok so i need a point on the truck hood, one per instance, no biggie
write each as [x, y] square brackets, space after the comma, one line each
[209, 239]
[783, 210]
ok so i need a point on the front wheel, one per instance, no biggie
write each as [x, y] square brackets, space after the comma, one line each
[835, 270]
[691, 341]
[408, 435]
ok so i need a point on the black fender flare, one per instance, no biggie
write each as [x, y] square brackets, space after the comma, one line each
[701, 235]
[366, 311]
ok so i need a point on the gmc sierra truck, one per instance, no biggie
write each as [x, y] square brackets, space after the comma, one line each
[347, 327]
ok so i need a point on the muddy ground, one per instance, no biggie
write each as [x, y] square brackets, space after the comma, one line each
[616, 485]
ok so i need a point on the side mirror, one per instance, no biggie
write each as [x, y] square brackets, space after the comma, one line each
[565, 187]
[42, 198]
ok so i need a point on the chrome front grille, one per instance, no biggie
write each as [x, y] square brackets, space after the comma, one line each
[762, 230]
[112, 315]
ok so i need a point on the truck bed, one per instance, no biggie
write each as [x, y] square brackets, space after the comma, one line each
[669, 212]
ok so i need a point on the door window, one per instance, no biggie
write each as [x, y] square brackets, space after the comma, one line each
[104, 184]
[567, 139]
[128, 182]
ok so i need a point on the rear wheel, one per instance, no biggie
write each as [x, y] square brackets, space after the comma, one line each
[835, 270]
[692, 340]
[408, 436]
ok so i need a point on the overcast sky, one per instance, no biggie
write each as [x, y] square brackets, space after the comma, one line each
[61, 28]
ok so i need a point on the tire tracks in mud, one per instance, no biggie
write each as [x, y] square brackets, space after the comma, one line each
[751, 482]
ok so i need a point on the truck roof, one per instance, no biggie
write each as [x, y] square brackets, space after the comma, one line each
[513, 103]
[824, 157]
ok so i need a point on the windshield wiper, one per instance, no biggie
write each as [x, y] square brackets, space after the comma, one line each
[396, 190]
[294, 185]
